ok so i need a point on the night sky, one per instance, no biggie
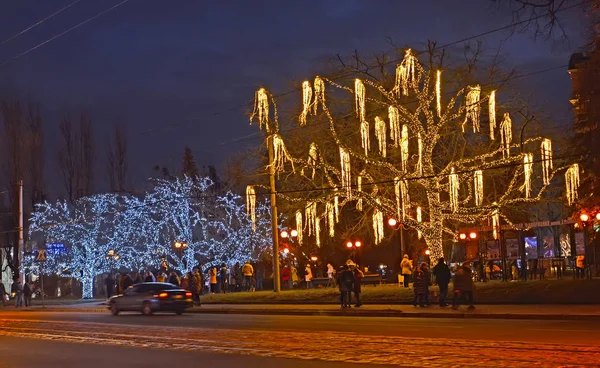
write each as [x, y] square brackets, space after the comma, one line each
[178, 73]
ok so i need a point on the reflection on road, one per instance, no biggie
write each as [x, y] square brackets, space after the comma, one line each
[328, 346]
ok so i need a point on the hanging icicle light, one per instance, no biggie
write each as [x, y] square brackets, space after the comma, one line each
[299, 227]
[546, 160]
[506, 135]
[359, 202]
[378, 223]
[394, 117]
[528, 172]
[398, 192]
[405, 73]
[280, 154]
[319, 91]
[359, 99]
[473, 107]
[310, 213]
[251, 205]
[496, 224]
[404, 148]
[454, 186]
[307, 93]
[336, 207]
[438, 93]
[380, 134]
[420, 156]
[261, 109]
[492, 113]
[364, 136]
[478, 187]
[330, 218]
[318, 231]
[345, 168]
[313, 157]
[419, 219]
[572, 183]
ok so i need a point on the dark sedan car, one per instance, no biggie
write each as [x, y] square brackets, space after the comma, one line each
[150, 297]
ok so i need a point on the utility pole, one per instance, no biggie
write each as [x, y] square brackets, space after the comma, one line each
[274, 225]
[18, 254]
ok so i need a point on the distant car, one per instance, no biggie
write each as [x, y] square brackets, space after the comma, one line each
[150, 297]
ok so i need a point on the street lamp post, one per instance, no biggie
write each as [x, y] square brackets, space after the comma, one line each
[353, 247]
[394, 224]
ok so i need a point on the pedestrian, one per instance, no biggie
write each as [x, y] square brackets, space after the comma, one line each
[174, 279]
[27, 291]
[358, 275]
[346, 285]
[3, 294]
[295, 277]
[185, 282]
[17, 287]
[580, 266]
[109, 283]
[161, 277]
[308, 276]
[406, 267]
[198, 282]
[331, 274]
[149, 277]
[442, 278]
[463, 286]
[248, 272]
[212, 274]
[224, 284]
[286, 277]
[421, 285]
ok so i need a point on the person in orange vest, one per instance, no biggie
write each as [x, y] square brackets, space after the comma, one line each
[580, 266]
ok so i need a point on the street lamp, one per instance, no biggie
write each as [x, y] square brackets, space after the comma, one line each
[294, 233]
[392, 222]
[585, 217]
[473, 235]
[462, 236]
[286, 250]
[349, 245]
[285, 234]
[396, 225]
[314, 258]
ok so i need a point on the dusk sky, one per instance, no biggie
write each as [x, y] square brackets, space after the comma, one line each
[180, 73]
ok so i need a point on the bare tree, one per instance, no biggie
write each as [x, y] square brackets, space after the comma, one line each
[87, 154]
[118, 160]
[67, 157]
[36, 154]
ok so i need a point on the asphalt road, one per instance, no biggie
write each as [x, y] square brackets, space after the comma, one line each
[62, 339]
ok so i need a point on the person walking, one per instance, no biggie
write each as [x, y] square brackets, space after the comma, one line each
[308, 276]
[224, 279]
[149, 277]
[27, 291]
[199, 287]
[580, 266]
[17, 287]
[295, 277]
[406, 267]
[358, 275]
[346, 285]
[286, 277]
[161, 277]
[421, 285]
[109, 284]
[3, 294]
[248, 272]
[463, 286]
[174, 279]
[212, 274]
[442, 277]
[331, 275]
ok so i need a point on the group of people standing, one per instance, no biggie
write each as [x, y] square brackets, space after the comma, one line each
[23, 292]
[462, 282]
[349, 281]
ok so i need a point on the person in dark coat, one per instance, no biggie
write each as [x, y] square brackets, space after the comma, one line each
[421, 285]
[138, 278]
[463, 286]
[346, 284]
[109, 283]
[442, 277]
[127, 282]
[174, 279]
[27, 292]
[358, 275]
[224, 283]
[3, 293]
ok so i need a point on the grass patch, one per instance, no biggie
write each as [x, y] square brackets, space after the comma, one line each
[530, 292]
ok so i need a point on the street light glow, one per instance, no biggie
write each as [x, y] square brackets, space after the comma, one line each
[473, 235]
[427, 252]
[357, 244]
[462, 236]
[349, 244]
[177, 244]
[284, 234]
[598, 216]
[286, 250]
[584, 217]
[294, 233]
[313, 258]
[392, 222]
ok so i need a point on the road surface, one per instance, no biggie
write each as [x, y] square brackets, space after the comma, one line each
[65, 339]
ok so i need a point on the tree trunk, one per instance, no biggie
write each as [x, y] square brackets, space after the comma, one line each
[87, 281]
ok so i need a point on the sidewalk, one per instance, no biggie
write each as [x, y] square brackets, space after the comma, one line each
[539, 312]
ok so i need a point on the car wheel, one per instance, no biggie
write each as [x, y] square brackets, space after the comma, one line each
[114, 310]
[146, 309]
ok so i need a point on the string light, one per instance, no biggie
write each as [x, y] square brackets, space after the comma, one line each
[345, 168]
[506, 135]
[330, 218]
[359, 97]
[405, 73]
[478, 186]
[546, 160]
[454, 187]
[438, 93]
[280, 154]
[310, 213]
[319, 89]
[420, 156]
[419, 219]
[261, 109]
[378, 223]
[528, 172]
[251, 205]
[404, 148]
[394, 117]
[492, 113]
[572, 183]
[398, 192]
[359, 202]
[318, 231]
[307, 94]
[380, 134]
[495, 223]
[364, 136]
[473, 107]
[336, 207]
[313, 157]
[299, 226]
